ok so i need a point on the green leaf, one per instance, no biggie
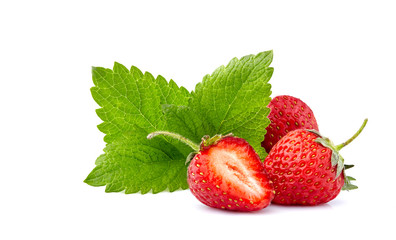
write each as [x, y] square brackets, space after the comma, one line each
[133, 104]
[133, 163]
[170, 93]
[233, 99]
[187, 122]
[131, 107]
[130, 98]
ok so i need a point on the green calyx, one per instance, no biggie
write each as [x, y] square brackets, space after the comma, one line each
[336, 158]
[208, 141]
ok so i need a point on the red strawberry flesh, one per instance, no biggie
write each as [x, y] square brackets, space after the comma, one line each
[230, 175]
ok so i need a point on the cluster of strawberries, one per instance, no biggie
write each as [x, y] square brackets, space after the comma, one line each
[302, 167]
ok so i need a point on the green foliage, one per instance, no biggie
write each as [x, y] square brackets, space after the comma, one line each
[233, 99]
[131, 107]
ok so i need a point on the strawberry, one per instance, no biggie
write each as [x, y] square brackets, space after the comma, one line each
[229, 175]
[287, 114]
[225, 172]
[307, 168]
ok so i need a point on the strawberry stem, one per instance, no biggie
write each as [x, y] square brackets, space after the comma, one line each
[179, 137]
[339, 147]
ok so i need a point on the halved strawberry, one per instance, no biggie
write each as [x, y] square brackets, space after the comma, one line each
[230, 175]
[227, 173]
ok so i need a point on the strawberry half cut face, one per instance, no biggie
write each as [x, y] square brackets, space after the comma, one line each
[230, 175]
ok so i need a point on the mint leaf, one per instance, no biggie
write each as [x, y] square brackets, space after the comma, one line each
[131, 107]
[233, 99]
[187, 122]
[133, 163]
[129, 98]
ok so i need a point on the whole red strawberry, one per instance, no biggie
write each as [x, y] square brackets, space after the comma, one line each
[307, 169]
[225, 172]
[287, 114]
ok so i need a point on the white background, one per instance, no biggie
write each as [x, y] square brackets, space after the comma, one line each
[338, 56]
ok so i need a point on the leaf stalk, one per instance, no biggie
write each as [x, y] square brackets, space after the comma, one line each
[179, 137]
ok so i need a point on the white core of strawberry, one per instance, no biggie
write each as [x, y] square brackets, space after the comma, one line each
[234, 172]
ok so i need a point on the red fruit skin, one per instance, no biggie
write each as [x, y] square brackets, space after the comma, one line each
[287, 114]
[301, 170]
[215, 190]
